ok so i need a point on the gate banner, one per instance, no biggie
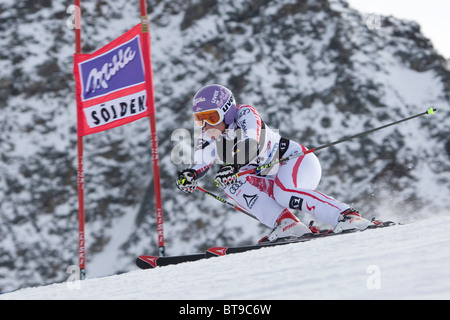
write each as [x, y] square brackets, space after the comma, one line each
[111, 84]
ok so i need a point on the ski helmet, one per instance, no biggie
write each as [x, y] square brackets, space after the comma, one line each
[214, 103]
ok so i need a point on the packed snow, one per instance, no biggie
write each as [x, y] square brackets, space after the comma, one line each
[410, 261]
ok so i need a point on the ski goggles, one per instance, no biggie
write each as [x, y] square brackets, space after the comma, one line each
[213, 117]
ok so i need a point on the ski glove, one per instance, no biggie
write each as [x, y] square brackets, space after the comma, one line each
[226, 176]
[186, 180]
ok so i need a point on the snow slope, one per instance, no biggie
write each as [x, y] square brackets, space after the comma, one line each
[409, 261]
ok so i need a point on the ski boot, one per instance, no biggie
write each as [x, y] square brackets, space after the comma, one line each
[351, 219]
[287, 225]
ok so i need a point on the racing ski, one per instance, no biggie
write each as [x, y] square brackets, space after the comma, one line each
[149, 262]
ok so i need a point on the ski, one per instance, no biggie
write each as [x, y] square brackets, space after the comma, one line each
[222, 251]
[149, 262]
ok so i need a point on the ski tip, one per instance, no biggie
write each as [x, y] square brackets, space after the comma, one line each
[146, 262]
[431, 110]
[218, 251]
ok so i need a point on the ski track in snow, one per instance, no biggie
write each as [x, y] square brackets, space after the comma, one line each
[409, 261]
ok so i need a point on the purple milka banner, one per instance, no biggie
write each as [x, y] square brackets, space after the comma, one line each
[116, 69]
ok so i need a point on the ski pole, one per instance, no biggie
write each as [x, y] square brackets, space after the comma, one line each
[265, 166]
[226, 202]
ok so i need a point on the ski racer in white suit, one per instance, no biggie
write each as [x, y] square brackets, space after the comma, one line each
[236, 135]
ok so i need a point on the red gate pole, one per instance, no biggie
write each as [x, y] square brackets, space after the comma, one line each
[81, 233]
[151, 105]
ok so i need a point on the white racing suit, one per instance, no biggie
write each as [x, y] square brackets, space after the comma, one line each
[266, 195]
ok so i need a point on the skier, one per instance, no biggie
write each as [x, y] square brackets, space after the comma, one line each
[236, 136]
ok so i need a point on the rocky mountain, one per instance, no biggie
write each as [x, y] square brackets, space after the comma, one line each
[314, 69]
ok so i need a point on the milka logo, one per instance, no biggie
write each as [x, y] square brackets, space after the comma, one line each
[97, 79]
[198, 100]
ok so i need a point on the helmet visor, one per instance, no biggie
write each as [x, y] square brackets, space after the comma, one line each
[213, 117]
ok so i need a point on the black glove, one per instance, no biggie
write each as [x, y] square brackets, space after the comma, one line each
[226, 176]
[186, 180]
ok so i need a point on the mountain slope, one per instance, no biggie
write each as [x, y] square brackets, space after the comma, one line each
[401, 262]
